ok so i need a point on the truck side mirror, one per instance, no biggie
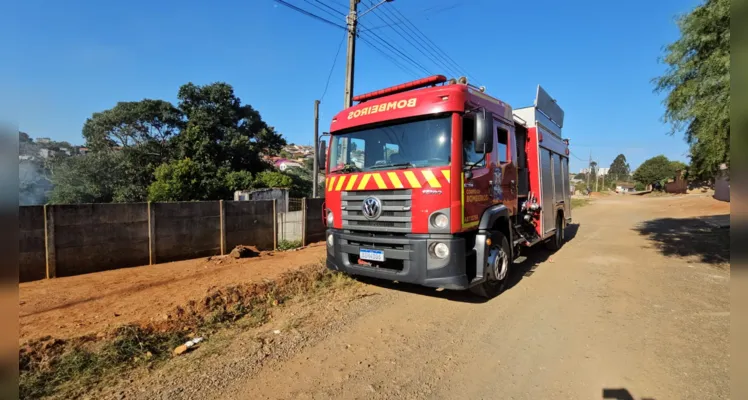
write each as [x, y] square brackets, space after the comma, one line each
[322, 156]
[483, 132]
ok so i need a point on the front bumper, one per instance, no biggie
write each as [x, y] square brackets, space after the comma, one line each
[408, 258]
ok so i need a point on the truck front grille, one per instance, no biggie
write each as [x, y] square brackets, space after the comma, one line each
[395, 216]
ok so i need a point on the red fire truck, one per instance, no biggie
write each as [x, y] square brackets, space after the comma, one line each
[435, 182]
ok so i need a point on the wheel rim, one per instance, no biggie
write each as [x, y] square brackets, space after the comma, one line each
[499, 263]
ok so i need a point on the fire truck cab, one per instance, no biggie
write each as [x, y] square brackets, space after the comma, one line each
[435, 182]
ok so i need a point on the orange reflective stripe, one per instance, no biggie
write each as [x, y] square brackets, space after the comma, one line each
[395, 180]
[330, 185]
[411, 177]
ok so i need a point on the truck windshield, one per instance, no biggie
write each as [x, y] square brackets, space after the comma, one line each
[423, 143]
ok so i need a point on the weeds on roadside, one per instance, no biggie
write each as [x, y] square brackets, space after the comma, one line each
[575, 202]
[70, 368]
[284, 245]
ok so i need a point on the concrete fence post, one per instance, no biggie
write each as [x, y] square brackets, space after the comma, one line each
[275, 225]
[49, 241]
[222, 212]
[303, 221]
[151, 234]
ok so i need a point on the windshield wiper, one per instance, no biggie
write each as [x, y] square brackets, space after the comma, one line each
[396, 165]
[348, 168]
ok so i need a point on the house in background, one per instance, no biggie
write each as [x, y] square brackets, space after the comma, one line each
[284, 164]
[623, 187]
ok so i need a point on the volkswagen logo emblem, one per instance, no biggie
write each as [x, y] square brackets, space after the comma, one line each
[372, 208]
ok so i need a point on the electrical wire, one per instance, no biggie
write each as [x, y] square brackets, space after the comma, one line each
[402, 33]
[403, 68]
[400, 53]
[430, 43]
[332, 67]
[310, 14]
[335, 13]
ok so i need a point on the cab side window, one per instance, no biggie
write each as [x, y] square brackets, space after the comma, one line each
[502, 144]
[469, 156]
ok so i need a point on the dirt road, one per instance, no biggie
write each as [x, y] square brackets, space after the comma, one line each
[636, 303]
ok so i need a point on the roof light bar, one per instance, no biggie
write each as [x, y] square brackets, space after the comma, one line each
[419, 83]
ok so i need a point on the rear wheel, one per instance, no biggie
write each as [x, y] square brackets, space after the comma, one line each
[557, 240]
[497, 268]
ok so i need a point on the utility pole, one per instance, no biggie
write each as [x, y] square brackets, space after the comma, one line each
[351, 20]
[352, 24]
[589, 170]
[315, 170]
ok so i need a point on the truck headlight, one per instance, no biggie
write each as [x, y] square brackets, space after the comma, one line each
[440, 250]
[330, 241]
[330, 218]
[440, 221]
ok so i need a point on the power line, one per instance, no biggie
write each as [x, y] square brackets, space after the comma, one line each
[405, 69]
[342, 6]
[400, 32]
[401, 54]
[308, 13]
[431, 43]
[327, 8]
[332, 67]
[328, 12]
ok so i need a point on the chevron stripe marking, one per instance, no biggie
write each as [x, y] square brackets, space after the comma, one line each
[364, 181]
[395, 180]
[431, 179]
[411, 177]
[445, 172]
[351, 182]
[330, 185]
[341, 181]
[380, 182]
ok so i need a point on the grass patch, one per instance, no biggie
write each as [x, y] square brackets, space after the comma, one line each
[71, 368]
[284, 245]
[577, 202]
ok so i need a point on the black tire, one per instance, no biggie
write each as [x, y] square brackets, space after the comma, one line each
[493, 286]
[555, 243]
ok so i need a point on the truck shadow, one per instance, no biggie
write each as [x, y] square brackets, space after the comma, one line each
[707, 237]
[533, 258]
[621, 394]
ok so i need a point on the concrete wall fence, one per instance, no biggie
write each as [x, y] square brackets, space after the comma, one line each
[74, 239]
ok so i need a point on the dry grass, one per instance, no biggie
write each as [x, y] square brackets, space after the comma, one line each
[70, 368]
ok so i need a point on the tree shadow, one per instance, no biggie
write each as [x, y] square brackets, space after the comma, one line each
[707, 237]
[621, 394]
[532, 258]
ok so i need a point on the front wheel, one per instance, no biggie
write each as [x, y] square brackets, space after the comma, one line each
[498, 269]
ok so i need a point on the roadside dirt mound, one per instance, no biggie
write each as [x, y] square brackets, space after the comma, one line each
[89, 304]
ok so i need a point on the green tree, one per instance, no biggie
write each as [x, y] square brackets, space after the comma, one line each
[580, 176]
[185, 179]
[94, 178]
[697, 84]
[221, 131]
[656, 169]
[142, 131]
[272, 179]
[619, 168]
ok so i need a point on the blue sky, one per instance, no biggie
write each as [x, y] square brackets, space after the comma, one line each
[595, 57]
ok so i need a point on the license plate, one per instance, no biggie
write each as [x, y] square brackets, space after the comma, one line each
[371, 255]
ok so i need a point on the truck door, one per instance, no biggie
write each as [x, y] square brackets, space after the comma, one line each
[476, 177]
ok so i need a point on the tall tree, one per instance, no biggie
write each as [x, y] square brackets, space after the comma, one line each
[619, 168]
[697, 84]
[142, 131]
[655, 169]
[221, 131]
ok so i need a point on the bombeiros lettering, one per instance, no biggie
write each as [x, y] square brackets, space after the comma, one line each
[383, 107]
